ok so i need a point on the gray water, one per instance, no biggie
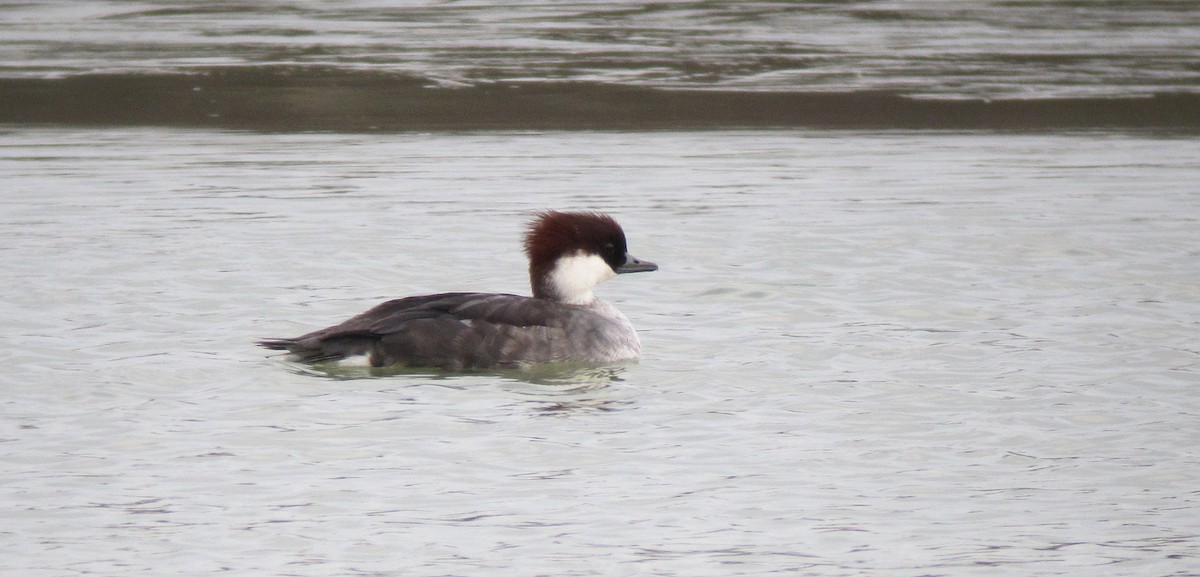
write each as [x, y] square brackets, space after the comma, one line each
[927, 48]
[866, 353]
[366, 65]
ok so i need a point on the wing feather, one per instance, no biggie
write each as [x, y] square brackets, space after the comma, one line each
[448, 330]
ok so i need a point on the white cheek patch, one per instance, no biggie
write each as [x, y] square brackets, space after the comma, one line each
[573, 277]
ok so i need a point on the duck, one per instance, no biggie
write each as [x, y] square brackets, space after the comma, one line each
[569, 253]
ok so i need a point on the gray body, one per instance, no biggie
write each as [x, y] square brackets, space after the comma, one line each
[456, 331]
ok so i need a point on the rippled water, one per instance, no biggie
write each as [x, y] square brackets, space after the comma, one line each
[365, 65]
[866, 353]
[989, 49]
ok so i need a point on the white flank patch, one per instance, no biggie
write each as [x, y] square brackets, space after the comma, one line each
[574, 275]
[355, 361]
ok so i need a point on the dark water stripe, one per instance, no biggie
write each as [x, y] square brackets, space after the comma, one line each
[339, 100]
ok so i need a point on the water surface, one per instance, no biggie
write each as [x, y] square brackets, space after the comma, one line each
[369, 65]
[866, 353]
[960, 49]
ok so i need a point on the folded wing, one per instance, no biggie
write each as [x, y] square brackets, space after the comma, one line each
[449, 330]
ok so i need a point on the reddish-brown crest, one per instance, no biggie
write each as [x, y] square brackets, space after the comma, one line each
[553, 234]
